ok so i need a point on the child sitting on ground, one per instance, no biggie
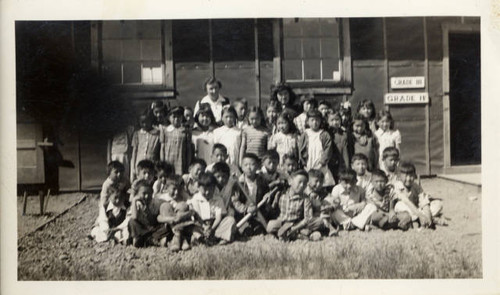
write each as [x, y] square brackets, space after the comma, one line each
[196, 167]
[115, 180]
[269, 169]
[225, 184]
[295, 209]
[359, 164]
[143, 222]
[219, 154]
[176, 215]
[210, 212]
[111, 220]
[247, 193]
[320, 223]
[164, 170]
[411, 198]
[390, 160]
[348, 202]
[382, 196]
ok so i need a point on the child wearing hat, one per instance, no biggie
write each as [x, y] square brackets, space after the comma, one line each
[175, 142]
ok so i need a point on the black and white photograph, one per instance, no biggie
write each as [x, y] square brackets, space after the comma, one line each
[228, 148]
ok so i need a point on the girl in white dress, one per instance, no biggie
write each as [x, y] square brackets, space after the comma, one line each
[229, 135]
[386, 135]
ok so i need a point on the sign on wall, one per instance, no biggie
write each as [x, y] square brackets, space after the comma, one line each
[406, 98]
[407, 82]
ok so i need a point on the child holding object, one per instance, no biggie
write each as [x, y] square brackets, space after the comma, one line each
[295, 209]
[348, 202]
[382, 196]
[411, 198]
[214, 223]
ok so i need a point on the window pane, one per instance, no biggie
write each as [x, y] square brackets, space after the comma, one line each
[329, 48]
[152, 73]
[111, 29]
[149, 29]
[329, 27]
[131, 50]
[293, 69]
[291, 28]
[151, 49]
[186, 34]
[113, 71]
[129, 29]
[312, 69]
[131, 72]
[111, 50]
[329, 66]
[310, 27]
[311, 48]
[292, 48]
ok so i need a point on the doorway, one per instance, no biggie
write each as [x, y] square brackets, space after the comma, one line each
[462, 96]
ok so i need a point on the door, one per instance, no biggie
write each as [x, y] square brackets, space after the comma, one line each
[463, 96]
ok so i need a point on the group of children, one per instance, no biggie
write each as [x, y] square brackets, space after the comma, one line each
[196, 179]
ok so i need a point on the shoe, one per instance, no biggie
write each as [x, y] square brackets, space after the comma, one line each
[175, 245]
[368, 228]
[185, 245]
[223, 242]
[440, 221]
[333, 232]
[315, 236]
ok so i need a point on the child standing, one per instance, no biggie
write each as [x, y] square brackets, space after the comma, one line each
[247, 193]
[348, 202]
[188, 118]
[241, 106]
[308, 103]
[203, 133]
[210, 212]
[145, 144]
[386, 135]
[390, 160]
[284, 94]
[294, 207]
[229, 135]
[382, 196]
[272, 111]
[359, 164]
[324, 107]
[411, 198]
[361, 141]
[366, 108]
[315, 147]
[285, 141]
[254, 137]
[340, 156]
[196, 168]
[176, 142]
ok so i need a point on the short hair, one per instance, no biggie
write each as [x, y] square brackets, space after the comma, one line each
[188, 109]
[207, 179]
[369, 104]
[145, 164]
[197, 161]
[221, 167]
[230, 110]
[165, 168]
[358, 157]
[271, 154]
[407, 168]
[274, 104]
[219, 146]
[141, 183]
[379, 173]
[390, 152]
[347, 175]
[300, 172]
[251, 156]
[176, 111]
[325, 102]
[308, 98]
[206, 110]
[291, 157]
[114, 165]
[211, 80]
[315, 173]
[240, 100]
[314, 114]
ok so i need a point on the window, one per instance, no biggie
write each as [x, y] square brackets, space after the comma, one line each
[132, 52]
[314, 51]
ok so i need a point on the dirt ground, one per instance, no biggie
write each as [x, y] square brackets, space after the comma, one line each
[62, 251]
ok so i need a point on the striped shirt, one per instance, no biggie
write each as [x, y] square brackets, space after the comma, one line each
[255, 140]
[294, 207]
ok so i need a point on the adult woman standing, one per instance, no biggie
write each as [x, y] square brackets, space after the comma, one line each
[216, 101]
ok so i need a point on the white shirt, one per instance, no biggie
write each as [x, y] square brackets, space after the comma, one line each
[216, 106]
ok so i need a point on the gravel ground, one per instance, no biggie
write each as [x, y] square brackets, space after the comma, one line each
[62, 251]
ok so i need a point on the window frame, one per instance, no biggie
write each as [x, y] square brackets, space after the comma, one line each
[344, 86]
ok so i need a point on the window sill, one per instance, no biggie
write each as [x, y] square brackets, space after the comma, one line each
[319, 88]
[146, 91]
